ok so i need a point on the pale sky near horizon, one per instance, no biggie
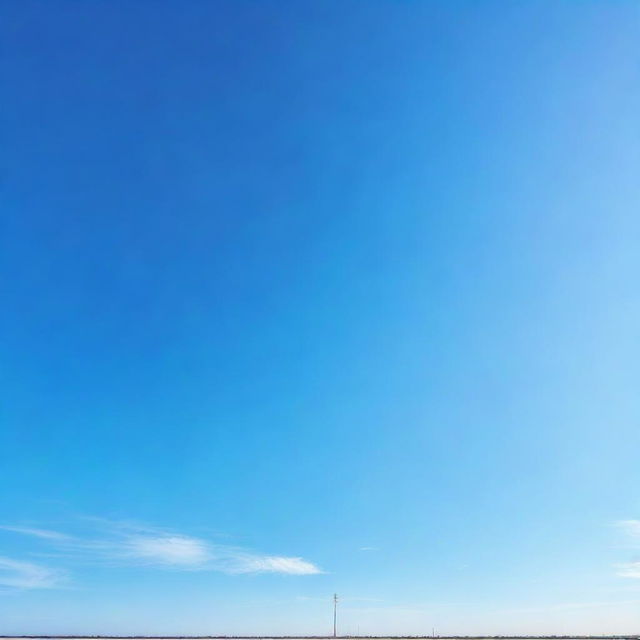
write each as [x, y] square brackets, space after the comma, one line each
[310, 297]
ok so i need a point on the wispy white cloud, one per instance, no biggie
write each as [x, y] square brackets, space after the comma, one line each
[173, 550]
[629, 527]
[368, 549]
[157, 547]
[631, 530]
[628, 569]
[134, 544]
[26, 575]
[47, 534]
[255, 563]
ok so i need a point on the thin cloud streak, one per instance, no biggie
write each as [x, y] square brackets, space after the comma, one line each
[247, 563]
[631, 529]
[26, 575]
[172, 550]
[138, 545]
[46, 534]
[628, 570]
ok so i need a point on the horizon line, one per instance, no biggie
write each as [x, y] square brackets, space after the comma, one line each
[328, 637]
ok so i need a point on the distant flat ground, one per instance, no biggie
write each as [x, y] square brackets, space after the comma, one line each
[54, 637]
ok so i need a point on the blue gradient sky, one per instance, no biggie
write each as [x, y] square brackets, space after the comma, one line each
[304, 297]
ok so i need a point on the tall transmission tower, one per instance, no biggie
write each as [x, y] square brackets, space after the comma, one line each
[335, 614]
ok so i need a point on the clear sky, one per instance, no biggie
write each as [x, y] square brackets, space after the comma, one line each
[311, 297]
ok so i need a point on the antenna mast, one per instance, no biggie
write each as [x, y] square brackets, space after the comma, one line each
[335, 613]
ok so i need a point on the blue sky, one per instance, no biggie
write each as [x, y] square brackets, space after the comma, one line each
[304, 297]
